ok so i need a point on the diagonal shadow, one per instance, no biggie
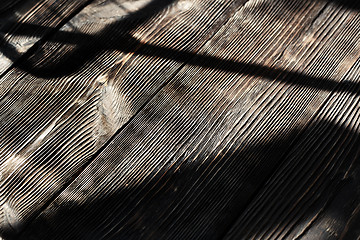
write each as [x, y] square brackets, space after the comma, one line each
[117, 36]
[147, 209]
[126, 43]
[114, 36]
[351, 4]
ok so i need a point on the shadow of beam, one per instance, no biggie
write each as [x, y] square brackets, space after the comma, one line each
[82, 54]
[350, 4]
[87, 47]
[117, 36]
[130, 44]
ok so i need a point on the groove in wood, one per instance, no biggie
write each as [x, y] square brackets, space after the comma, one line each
[192, 160]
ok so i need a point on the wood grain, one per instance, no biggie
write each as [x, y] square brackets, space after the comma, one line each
[72, 94]
[315, 193]
[193, 158]
[24, 23]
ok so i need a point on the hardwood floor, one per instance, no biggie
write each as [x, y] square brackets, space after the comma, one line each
[180, 119]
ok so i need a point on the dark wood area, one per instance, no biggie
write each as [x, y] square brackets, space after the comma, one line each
[179, 119]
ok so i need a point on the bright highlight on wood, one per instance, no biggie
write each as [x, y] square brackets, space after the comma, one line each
[180, 119]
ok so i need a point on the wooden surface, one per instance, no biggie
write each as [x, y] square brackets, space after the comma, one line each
[180, 119]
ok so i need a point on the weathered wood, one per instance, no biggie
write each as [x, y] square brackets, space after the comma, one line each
[24, 23]
[191, 161]
[315, 194]
[72, 94]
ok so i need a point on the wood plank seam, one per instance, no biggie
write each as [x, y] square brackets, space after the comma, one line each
[19, 59]
[338, 88]
[341, 86]
[354, 92]
[190, 58]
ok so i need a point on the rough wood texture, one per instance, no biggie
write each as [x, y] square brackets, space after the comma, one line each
[24, 23]
[69, 98]
[315, 194]
[186, 120]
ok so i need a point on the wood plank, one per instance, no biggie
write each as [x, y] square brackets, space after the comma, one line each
[24, 23]
[315, 194]
[191, 160]
[59, 112]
